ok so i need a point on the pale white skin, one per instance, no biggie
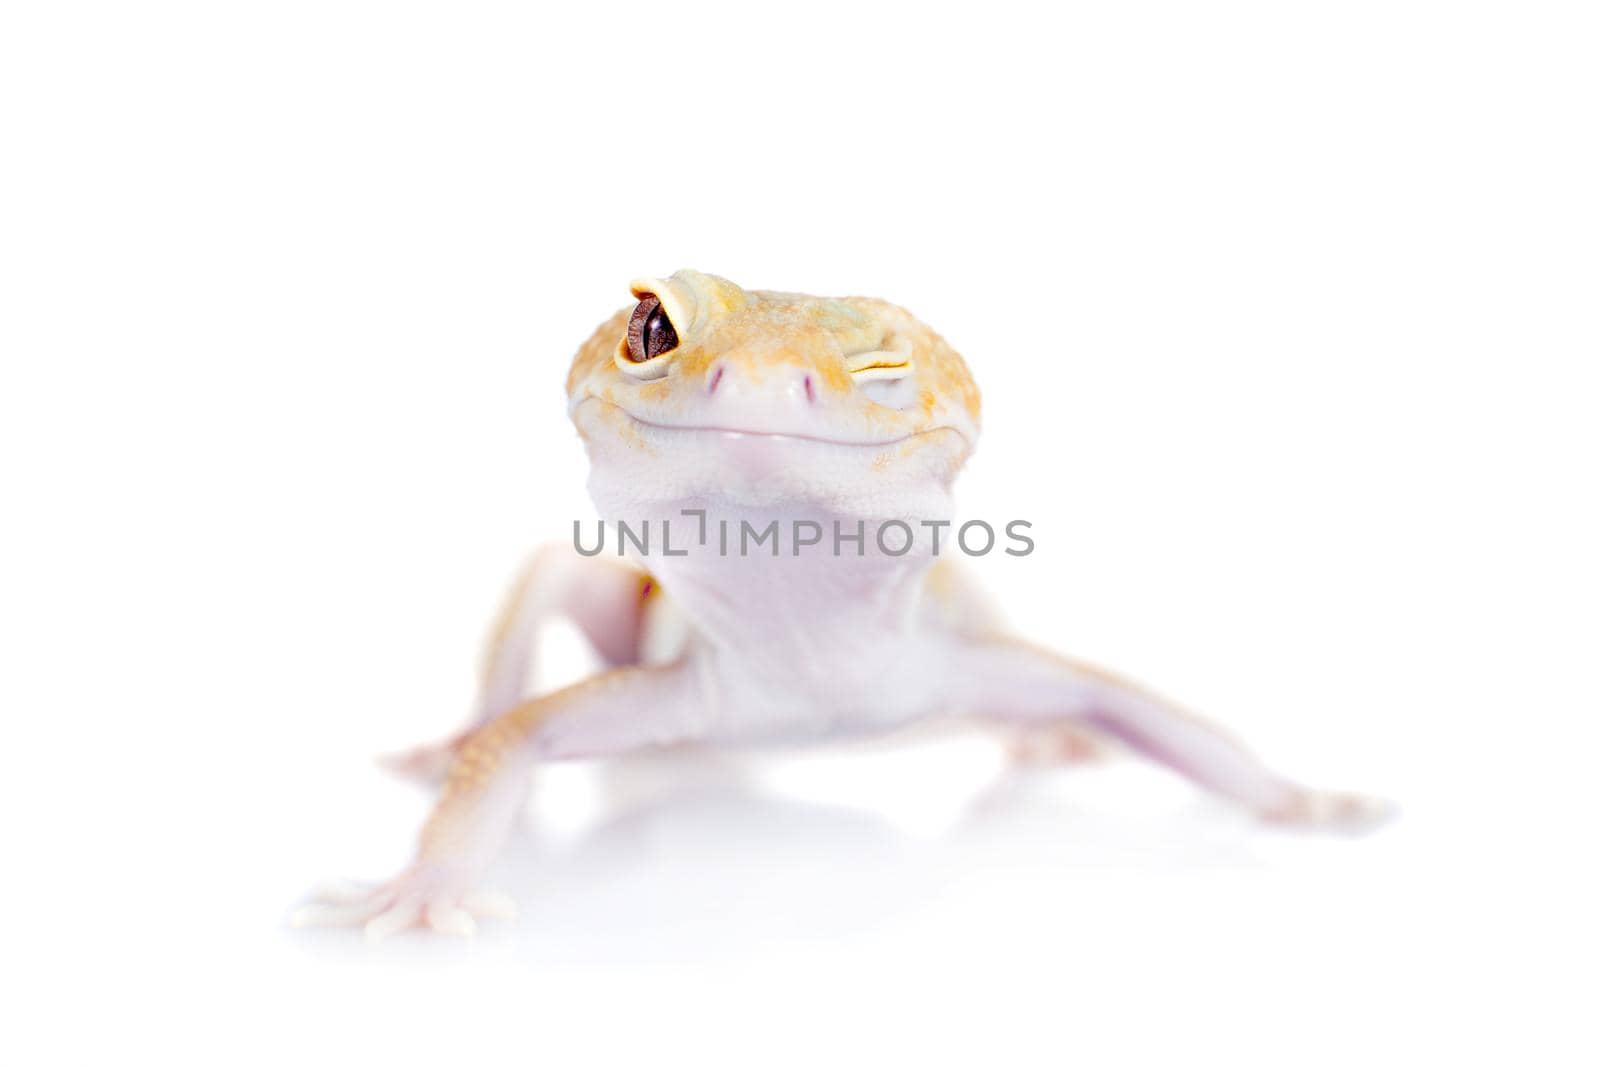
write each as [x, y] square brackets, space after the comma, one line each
[771, 406]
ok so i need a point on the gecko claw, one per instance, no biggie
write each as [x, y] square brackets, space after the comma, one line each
[446, 918]
[414, 899]
[1335, 811]
[398, 916]
[1059, 745]
[424, 764]
[489, 904]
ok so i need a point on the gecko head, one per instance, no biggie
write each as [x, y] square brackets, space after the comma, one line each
[701, 390]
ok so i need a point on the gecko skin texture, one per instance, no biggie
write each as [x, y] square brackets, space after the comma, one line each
[754, 406]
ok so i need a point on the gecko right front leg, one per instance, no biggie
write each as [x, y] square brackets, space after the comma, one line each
[624, 710]
[607, 600]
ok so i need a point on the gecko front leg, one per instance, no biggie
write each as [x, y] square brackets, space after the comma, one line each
[620, 711]
[1019, 683]
[606, 599]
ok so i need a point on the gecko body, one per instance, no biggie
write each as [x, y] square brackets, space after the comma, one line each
[704, 403]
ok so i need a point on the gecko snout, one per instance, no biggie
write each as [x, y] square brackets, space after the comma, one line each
[734, 383]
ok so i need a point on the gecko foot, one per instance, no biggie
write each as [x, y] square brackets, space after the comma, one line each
[426, 764]
[419, 897]
[1327, 810]
[1056, 745]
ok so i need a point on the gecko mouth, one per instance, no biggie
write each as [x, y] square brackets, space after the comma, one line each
[731, 431]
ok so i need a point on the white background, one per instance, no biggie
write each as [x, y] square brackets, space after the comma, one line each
[1286, 322]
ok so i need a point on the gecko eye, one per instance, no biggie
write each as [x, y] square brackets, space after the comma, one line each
[650, 332]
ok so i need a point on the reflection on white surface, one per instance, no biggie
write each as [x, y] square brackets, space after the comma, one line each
[693, 857]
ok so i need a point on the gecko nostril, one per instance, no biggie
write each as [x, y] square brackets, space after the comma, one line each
[716, 379]
[811, 391]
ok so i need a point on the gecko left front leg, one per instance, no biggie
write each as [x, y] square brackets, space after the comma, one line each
[1016, 682]
[620, 711]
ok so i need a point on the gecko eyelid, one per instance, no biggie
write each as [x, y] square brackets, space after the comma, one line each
[882, 364]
